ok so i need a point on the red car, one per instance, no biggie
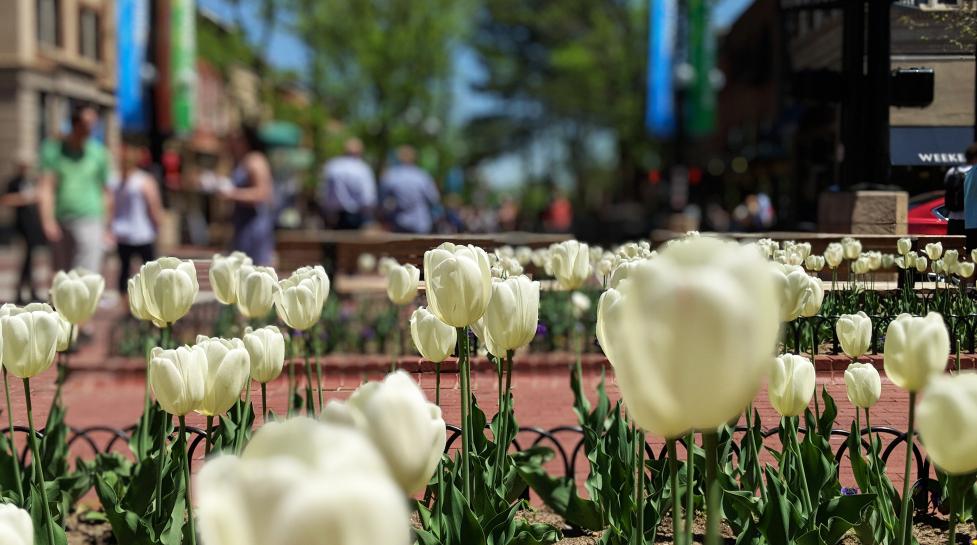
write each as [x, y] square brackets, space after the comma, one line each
[927, 214]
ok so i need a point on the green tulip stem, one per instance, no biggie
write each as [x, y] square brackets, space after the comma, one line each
[639, 488]
[905, 524]
[36, 466]
[439, 505]
[689, 486]
[264, 403]
[318, 372]
[463, 370]
[871, 440]
[210, 434]
[14, 459]
[159, 470]
[795, 444]
[146, 400]
[710, 444]
[62, 370]
[858, 430]
[309, 403]
[505, 409]
[291, 373]
[186, 476]
[673, 483]
[954, 506]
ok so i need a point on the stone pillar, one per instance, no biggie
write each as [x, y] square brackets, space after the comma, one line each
[864, 212]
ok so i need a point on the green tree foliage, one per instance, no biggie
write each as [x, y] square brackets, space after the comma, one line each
[565, 72]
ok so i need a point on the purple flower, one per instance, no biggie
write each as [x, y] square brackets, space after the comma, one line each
[845, 491]
[367, 332]
[541, 330]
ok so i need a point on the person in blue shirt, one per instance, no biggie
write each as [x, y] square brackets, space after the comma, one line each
[408, 195]
[347, 189]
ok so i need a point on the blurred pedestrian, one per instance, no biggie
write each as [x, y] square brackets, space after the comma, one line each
[137, 214]
[348, 189]
[21, 195]
[252, 192]
[408, 195]
[73, 194]
[954, 192]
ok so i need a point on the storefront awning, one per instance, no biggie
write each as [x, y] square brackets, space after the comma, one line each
[929, 146]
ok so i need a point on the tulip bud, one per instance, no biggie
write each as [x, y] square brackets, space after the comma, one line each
[301, 482]
[965, 269]
[934, 250]
[434, 339]
[834, 254]
[224, 275]
[580, 304]
[407, 430]
[951, 258]
[863, 384]
[622, 270]
[178, 378]
[791, 384]
[459, 283]
[570, 264]
[609, 325]
[916, 349]
[167, 288]
[814, 263]
[16, 527]
[921, 264]
[384, 264]
[524, 255]
[299, 298]
[802, 295]
[852, 247]
[30, 338]
[266, 350]
[854, 333]
[228, 366]
[938, 266]
[366, 263]
[804, 249]
[255, 290]
[947, 421]
[888, 261]
[512, 315]
[75, 294]
[402, 283]
[674, 377]
[604, 267]
[861, 266]
[904, 245]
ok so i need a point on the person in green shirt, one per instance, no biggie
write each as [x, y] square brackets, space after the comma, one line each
[73, 196]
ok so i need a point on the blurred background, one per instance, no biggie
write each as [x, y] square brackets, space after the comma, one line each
[604, 119]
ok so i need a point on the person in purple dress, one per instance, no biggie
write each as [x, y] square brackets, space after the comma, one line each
[252, 193]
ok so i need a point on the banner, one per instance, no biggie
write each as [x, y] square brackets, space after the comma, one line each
[660, 103]
[701, 106]
[133, 25]
[183, 63]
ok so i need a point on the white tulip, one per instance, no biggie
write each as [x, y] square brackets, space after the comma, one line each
[888, 261]
[299, 299]
[852, 247]
[804, 249]
[178, 378]
[951, 258]
[434, 339]
[904, 245]
[570, 264]
[366, 263]
[459, 284]
[407, 430]
[791, 384]
[921, 264]
[801, 294]
[228, 367]
[266, 350]
[861, 265]
[934, 250]
[814, 263]
[874, 260]
[524, 255]
[384, 264]
[916, 349]
[864, 385]
[75, 294]
[609, 326]
[834, 254]
[402, 283]
[973, 255]
[964, 269]
[947, 421]
[255, 290]
[512, 315]
[29, 339]
[16, 527]
[224, 275]
[623, 269]
[675, 377]
[167, 288]
[854, 333]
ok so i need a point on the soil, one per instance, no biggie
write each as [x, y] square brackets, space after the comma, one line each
[86, 528]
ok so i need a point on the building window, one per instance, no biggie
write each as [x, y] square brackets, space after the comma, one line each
[48, 17]
[88, 34]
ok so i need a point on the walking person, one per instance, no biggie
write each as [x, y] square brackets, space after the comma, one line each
[408, 195]
[21, 195]
[73, 195]
[251, 191]
[137, 214]
[954, 197]
[348, 189]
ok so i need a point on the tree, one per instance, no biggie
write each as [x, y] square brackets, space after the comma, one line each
[570, 72]
[382, 67]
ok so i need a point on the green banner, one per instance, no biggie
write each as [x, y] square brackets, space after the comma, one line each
[701, 105]
[183, 60]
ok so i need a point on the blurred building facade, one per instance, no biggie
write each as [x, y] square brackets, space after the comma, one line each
[782, 108]
[54, 54]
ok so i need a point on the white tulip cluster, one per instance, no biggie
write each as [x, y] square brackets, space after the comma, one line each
[163, 290]
[299, 298]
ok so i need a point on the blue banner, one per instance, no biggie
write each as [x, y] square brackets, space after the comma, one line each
[133, 25]
[660, 103]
